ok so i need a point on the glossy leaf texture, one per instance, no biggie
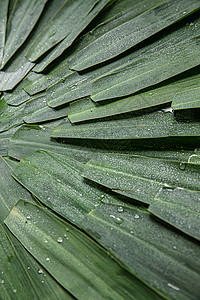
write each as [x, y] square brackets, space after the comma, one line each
[21, 276]
[3, 18]
[134, 29]
[178, 207]
[29, 138]
[19, 28]
[182, 93]
[68, 251]
[55, 31]
[99, 135]
[140, 177]
[156, 253]
[159, 124]
[70, 38]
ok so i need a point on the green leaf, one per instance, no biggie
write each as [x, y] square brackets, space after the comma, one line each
[16, 96]
[3, 21]
[70, 14]
[44, 174]
[154, 252]
[189, 96]
[37, 111]
[29, 278]
[146, 67]
[32, 137]
[141, 177]
[85, 109]
[70, 38]
[35, 83]
[134, 29]
[11, 117]
[178, 207]
[15, 71]
[13, 276]
[23, 18]
[73, 254]
[11, 191]
[157, 124]
[5, 139]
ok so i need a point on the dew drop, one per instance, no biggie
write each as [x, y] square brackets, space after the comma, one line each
[120, 209]
[136, 217]
[40, 271]
[28, 217]
[173, 286]
[46, 241]
[2, 281]
[182, 166]
[15, 291]
[47, 259]
[131, 232]
[59, 240]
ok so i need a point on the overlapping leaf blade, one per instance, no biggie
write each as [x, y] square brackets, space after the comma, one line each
[21, 275]
[141, 178]
[156, 253]
[3, 18]
[22, 19]
[178, 207]
[132, 31]
[70, 252]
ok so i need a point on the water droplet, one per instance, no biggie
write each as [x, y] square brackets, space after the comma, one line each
[47, 259]
[28, 268]
[173, 286]
[59, 240]
[131, 232]
[182, 166]
[46, 241]
[136, 217]
[42, 281]
[168, 187]
[174, 247]
[2, 281]
[120, 209]
[117, 220]
[40, 271]
[168, 109]
[28, 217]
[15, 291]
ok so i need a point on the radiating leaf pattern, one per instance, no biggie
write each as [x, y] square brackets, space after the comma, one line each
[99, 149]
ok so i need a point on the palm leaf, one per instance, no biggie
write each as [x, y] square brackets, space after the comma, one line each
[99, 198]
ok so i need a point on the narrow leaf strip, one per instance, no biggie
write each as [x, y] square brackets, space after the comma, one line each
[180, 208]
[44, 174]
[141, 177]
[15, 282]
[21, 21]
[55, 32]
[178, 92]
[132, 31]
[158, 124]
[33, 137]
[69, 39]
[3, 22]
[154, 252]
[69, 252]
[37, 111]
